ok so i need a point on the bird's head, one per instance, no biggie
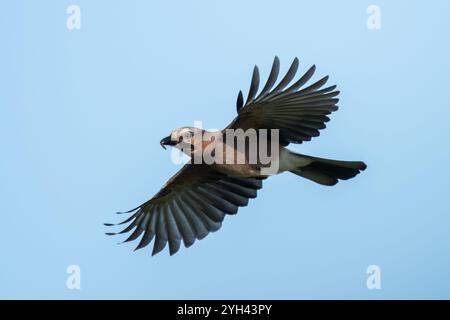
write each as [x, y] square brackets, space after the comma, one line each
[181, 138]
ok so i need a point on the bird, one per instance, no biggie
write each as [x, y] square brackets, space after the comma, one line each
[195, 201]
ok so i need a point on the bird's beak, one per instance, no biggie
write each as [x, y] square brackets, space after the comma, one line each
[167, 141]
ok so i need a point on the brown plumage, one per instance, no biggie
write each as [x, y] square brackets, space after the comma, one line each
[196, 199]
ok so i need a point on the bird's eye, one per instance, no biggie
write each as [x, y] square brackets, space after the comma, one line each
[180, 139]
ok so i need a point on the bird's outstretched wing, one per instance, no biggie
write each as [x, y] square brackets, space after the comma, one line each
[189, 206]
[299, 112]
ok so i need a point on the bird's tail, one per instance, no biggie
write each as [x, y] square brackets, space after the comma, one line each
[325, 171]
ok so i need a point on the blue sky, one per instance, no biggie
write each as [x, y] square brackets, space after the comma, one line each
[82, 113]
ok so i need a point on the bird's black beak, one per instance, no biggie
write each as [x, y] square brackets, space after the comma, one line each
[167, 141]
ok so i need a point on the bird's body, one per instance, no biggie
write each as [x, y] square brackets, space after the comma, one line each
[227, 167]
[283, 160]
